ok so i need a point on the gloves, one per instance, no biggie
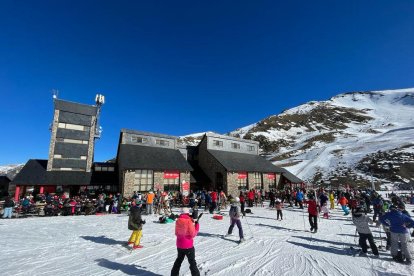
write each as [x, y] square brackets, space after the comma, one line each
[196, 222]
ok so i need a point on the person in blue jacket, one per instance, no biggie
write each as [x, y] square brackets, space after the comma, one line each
[398, 224]
[299, 198]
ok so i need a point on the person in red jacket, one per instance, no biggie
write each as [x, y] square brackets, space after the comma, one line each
[185, 230]
[250, 197]
[214, 196]
[242, 202]
[313, 210]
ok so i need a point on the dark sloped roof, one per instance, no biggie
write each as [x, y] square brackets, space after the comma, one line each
[151, 158]
[33, 173]
[291, 177]
[68, 178]
[234, 161]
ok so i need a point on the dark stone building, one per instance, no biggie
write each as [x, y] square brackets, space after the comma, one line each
[232, 164]
[151, 161]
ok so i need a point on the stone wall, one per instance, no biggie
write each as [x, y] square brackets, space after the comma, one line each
[91, 145]
[232, 184]
[158, 180]
[53, 140]
[128, 183]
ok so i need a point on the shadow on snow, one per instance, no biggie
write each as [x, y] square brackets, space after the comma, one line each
[127, 269]
[102, 240]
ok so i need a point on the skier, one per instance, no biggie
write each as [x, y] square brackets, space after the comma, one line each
[332, 200]
[344, 201]
[234, 214]
[8, 207]
[135, 224]
[361, 222]
[377, 204]
[398, 223]
[185, 230]
[279, 207]
[313, 210]
[299, 198]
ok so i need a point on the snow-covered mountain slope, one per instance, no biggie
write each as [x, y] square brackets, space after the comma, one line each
[10, 170]
[353, 138]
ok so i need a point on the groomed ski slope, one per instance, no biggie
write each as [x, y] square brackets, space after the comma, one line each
[91, 245]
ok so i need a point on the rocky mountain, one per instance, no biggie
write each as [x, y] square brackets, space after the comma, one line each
[10, 170]
[356, 138]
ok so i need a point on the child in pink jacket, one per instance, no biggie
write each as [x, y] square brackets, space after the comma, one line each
[185, 230]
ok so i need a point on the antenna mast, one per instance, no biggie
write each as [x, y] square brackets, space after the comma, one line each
[99, 100]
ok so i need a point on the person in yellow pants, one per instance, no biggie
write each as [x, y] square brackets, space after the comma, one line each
[332, 200]
[135, 224]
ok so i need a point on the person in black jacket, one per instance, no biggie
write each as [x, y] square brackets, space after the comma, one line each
[135, 223]
[8, 207]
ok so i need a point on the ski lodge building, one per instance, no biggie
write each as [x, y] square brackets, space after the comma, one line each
[145, 161]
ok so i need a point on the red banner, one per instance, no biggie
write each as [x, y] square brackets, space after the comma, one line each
[271, 176]
[171, 174]
[185, 188]
[242, 175]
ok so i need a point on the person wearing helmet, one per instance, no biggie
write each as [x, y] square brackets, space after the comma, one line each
[234, 214]
[361, 222]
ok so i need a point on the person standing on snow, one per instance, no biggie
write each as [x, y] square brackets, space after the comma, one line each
[344, 201]
[313, 210]
[185, 230]
[332, 200]
[279, 207]
[135, 224]
[361, 222]
[234, 214]
[399, 224]
[299, 198]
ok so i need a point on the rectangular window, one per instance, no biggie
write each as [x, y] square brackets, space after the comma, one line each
[83, 157]
[139, 140]
[257, 181]
[218, 143]
[98, 169]
[250, 148]
[235, 146]
[160, 142]
[73, 127]
[111, 169]
[72, 141]
[242, 184]
[271, 180]
[171, 184]
[57, 156]
[143, 181]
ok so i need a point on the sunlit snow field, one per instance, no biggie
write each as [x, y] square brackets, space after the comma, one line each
[92, 245]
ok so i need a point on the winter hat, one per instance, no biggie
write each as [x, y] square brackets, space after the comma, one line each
[237, 199]
[185, 210]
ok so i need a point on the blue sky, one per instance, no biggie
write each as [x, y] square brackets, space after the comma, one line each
[179, 67]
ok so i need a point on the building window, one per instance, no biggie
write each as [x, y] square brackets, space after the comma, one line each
[73, 127]
[160, 142]
[242, 184]
[143, 181]
[139, 140]
[218, 143]
[257, 185]
[57, 156]
[271, 181]
[235, 146]
[250, 148]
[83, 157]
[171, 184]
[72, 141]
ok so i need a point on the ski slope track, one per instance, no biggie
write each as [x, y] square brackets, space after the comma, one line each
[92, 245]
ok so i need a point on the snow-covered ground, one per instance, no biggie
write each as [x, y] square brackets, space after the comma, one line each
[92, 245]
